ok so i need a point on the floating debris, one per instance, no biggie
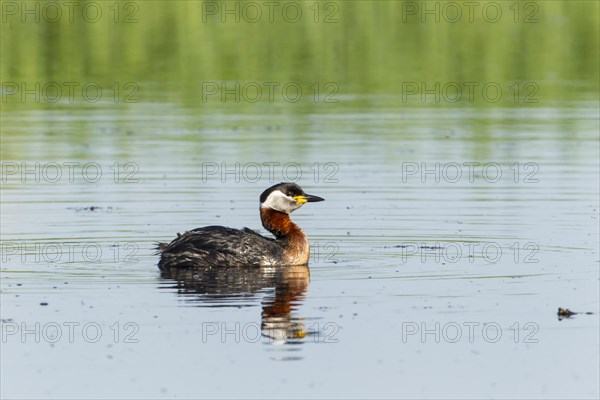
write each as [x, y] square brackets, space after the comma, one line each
[404, 246]
[90, 209]
[566, 313]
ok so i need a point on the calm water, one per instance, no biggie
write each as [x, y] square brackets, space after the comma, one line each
[450, 235]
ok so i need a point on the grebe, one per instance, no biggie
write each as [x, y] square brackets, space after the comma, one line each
[218, 246]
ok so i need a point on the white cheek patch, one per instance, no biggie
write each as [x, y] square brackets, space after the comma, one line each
[277, 200]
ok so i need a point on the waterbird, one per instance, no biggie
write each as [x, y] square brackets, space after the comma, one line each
[219, 246]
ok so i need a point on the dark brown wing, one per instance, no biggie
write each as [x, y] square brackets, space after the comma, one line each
[219, 246]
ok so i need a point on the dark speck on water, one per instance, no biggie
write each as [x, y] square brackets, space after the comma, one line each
[566, 313]
[91, 208]
[404, 246]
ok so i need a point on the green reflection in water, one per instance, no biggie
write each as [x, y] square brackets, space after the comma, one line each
[169, 48]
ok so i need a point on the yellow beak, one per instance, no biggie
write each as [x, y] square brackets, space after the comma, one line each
[307, 198]
[301, 199]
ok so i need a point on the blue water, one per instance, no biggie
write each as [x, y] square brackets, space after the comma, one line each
[422, 282]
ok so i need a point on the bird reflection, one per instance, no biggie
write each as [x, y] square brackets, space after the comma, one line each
[226, 287]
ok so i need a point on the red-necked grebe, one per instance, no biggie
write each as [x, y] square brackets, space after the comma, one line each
[218, 246]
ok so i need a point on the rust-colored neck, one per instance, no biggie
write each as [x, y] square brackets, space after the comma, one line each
[295, 241]
[279, 223]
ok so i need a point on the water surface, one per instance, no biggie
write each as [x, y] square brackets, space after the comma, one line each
[450, 235]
